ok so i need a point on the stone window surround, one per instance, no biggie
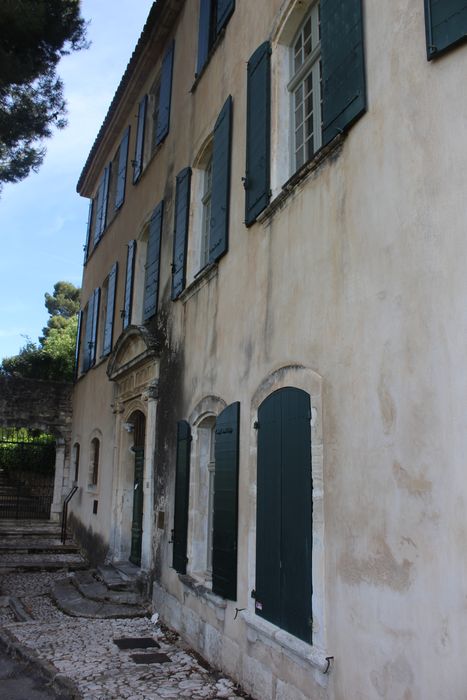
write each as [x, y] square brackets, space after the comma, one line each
[258, 629]
[208, 407]
[93, 489]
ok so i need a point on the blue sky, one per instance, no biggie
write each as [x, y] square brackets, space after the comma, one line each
[43, 219]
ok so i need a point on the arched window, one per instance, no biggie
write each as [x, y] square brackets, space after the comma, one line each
[76, 461]
[94, 463]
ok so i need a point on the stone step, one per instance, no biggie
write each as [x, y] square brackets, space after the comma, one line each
[28, 528]
[35, 546]
[41, 562]
[116, 579]
[90, 587]
[69, 599]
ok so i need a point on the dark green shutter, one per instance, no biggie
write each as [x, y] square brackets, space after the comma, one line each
[268, 510]
[128, 299]
[182, 211]
[225, 515]
[95, 322]
[296, 493]
[122, 164]
[151, 278]
[182, 487]
[101, 208]
[109, 313]
[78, 343]
[258, 133]
[342, 55]
[165, 95]
[105, 198]
[87, 349]
[446, 24]
[225, 9]
[284, 512]
[220, 197]
[204, 31]
[139, 145]
[88, 231]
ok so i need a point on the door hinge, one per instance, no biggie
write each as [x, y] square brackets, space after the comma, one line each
[253, 593]
[256, 425]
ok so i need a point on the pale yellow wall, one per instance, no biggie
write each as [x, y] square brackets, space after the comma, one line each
[361, 278]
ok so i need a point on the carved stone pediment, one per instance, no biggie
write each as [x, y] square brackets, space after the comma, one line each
[134, 348]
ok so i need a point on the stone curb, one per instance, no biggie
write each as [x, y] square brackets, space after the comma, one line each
[59, 682]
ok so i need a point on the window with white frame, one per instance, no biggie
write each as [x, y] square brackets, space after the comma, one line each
[305, 89]
[202, 501]
[206, 213]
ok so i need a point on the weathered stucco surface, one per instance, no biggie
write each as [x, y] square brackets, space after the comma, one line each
[358, 277]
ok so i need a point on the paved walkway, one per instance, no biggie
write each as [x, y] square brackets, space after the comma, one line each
[83, 652]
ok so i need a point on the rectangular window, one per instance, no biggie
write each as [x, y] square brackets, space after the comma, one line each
[206, 216]
[213, 17]
[305, 88]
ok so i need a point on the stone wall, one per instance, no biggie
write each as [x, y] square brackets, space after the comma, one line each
[34, 403]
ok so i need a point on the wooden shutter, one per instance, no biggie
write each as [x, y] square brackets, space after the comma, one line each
[122, 164]
[165, 95]
[446, 24]
[204, 31]
[130, 269]
[110, 310]
[284, 512]
[225, 9]
[225, 516]
[87, 350]
[95, 322]
[258, 136]
[101, 205]
[344, 95]
[182, 486]
[139, 145]
[182, 210]
[99, 209]
[296, 496]
[78, 343]
[219, 224]
[151, 278]
[268, 511]
[88, 231]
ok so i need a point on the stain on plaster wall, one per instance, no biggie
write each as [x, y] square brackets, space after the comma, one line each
[394, 678]
[379, 569]
[415, 484]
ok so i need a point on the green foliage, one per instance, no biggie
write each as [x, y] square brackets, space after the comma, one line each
[53, 357]
[62, 305]
[22, 449]
[34, 35]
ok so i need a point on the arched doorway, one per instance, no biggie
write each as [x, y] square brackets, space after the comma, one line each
[138, 420]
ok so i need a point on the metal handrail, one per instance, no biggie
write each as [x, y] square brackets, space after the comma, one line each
[65, 513]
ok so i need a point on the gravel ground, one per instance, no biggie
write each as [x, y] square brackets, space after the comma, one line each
[83, 650]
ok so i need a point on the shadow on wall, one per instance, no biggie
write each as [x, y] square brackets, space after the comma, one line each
[94, 546]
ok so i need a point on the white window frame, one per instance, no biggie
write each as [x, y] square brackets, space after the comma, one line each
[288, 25]
[199, 224]
[310, 66]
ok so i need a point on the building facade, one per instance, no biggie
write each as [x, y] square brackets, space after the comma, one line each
[268, 408]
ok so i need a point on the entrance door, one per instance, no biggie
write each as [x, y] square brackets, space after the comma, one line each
[139, 421]
[284, 512]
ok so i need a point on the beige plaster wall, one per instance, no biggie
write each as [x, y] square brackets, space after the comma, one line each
[358, 277]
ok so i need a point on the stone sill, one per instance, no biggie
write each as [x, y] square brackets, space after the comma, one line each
[297, 650]
[199, 590]
[328, 152]
[203, 277]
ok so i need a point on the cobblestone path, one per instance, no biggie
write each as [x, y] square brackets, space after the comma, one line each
[84, 652]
